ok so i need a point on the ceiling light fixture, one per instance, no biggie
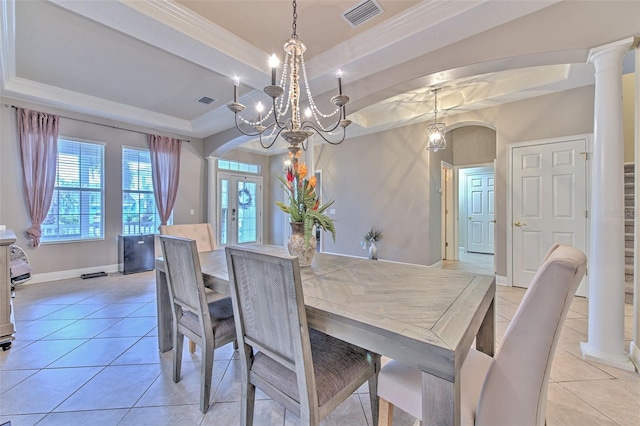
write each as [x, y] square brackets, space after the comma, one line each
[436, 131]
[285, 117]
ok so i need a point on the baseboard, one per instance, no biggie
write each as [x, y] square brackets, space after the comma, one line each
[437, 265]
[500, 280]
[71, 273]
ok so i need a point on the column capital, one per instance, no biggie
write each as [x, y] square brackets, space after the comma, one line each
[621, 45]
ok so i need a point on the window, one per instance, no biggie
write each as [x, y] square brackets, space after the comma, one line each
[77, 207]
[139, 212]
[238, 167]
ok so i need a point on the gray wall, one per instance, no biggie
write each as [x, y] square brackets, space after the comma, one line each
[71, 256]
[473, 145]
[560, 114]
[384, 180]
[388, 179]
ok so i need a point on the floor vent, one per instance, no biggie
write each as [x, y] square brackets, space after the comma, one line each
[206, 100]
[362, 12]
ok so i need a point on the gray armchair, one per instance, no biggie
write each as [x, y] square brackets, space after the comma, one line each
[308, 372]
[209, 324]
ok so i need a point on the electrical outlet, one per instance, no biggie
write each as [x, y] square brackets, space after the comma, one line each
[192, 212]
[332, 211]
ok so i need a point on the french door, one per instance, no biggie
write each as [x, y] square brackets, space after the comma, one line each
[239, 209]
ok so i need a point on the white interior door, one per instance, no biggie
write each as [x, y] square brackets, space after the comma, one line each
[548, 204]
[239, 209]
[480, 212]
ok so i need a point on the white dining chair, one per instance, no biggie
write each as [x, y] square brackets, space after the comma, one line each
[510, 389]
[210, 324]
[308, 372]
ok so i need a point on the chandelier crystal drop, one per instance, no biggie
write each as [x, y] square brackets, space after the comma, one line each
[436, 131]
[284, 118]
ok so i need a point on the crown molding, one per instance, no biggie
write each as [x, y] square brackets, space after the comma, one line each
[419, 30]
[27, 90]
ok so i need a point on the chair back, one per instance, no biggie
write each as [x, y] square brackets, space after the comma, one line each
[202, 233]
[186, 285]
[515, 387]
[269, 309]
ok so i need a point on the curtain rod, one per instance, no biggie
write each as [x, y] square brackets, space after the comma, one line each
[99, 124]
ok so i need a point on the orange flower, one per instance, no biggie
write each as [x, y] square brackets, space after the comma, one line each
[302, 170]
[312, 181]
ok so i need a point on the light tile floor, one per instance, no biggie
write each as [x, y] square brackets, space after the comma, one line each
[86, 353]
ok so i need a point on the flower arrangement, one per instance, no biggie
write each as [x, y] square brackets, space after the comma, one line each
[304, 204]
[373, 235]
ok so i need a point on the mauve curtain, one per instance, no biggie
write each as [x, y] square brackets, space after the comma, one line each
[38, 134]
[165, 172]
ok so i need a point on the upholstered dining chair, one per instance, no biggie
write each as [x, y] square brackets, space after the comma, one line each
[210, 324]
[205, 240]
[202, 233]
[308, 372]
[510, 389]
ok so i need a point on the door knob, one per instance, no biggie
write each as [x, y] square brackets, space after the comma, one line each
[470, 218]
[493, 221]
[519, 224]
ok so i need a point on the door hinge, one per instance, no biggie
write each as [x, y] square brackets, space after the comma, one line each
[446, 244]
[586, 155]
[586, 214]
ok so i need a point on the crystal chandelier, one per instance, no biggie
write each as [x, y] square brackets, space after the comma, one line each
[284, 119]
[436, 131]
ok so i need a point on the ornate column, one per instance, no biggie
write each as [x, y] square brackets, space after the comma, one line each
[635, 343]
[606, 248]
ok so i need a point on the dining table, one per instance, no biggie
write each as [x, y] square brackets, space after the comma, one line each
[422, 316]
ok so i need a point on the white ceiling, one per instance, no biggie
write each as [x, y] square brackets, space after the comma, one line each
[146, 62]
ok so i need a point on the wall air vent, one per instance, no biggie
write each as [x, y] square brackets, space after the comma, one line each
[362, 12]
[206, 100]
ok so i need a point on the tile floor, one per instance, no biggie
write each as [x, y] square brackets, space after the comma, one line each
[86, 353]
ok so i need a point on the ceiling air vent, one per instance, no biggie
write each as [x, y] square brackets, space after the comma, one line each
[362, 12]
[206, 100]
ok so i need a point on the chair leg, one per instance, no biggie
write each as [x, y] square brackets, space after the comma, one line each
[248, 404]
[192, 346]
[373, 392]
[248, 395]
[178, 341]
[386, 413]
[206, 370]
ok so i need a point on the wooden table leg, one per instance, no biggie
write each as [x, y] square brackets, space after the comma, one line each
[486, 337]
[165, 314]
[440, 401]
